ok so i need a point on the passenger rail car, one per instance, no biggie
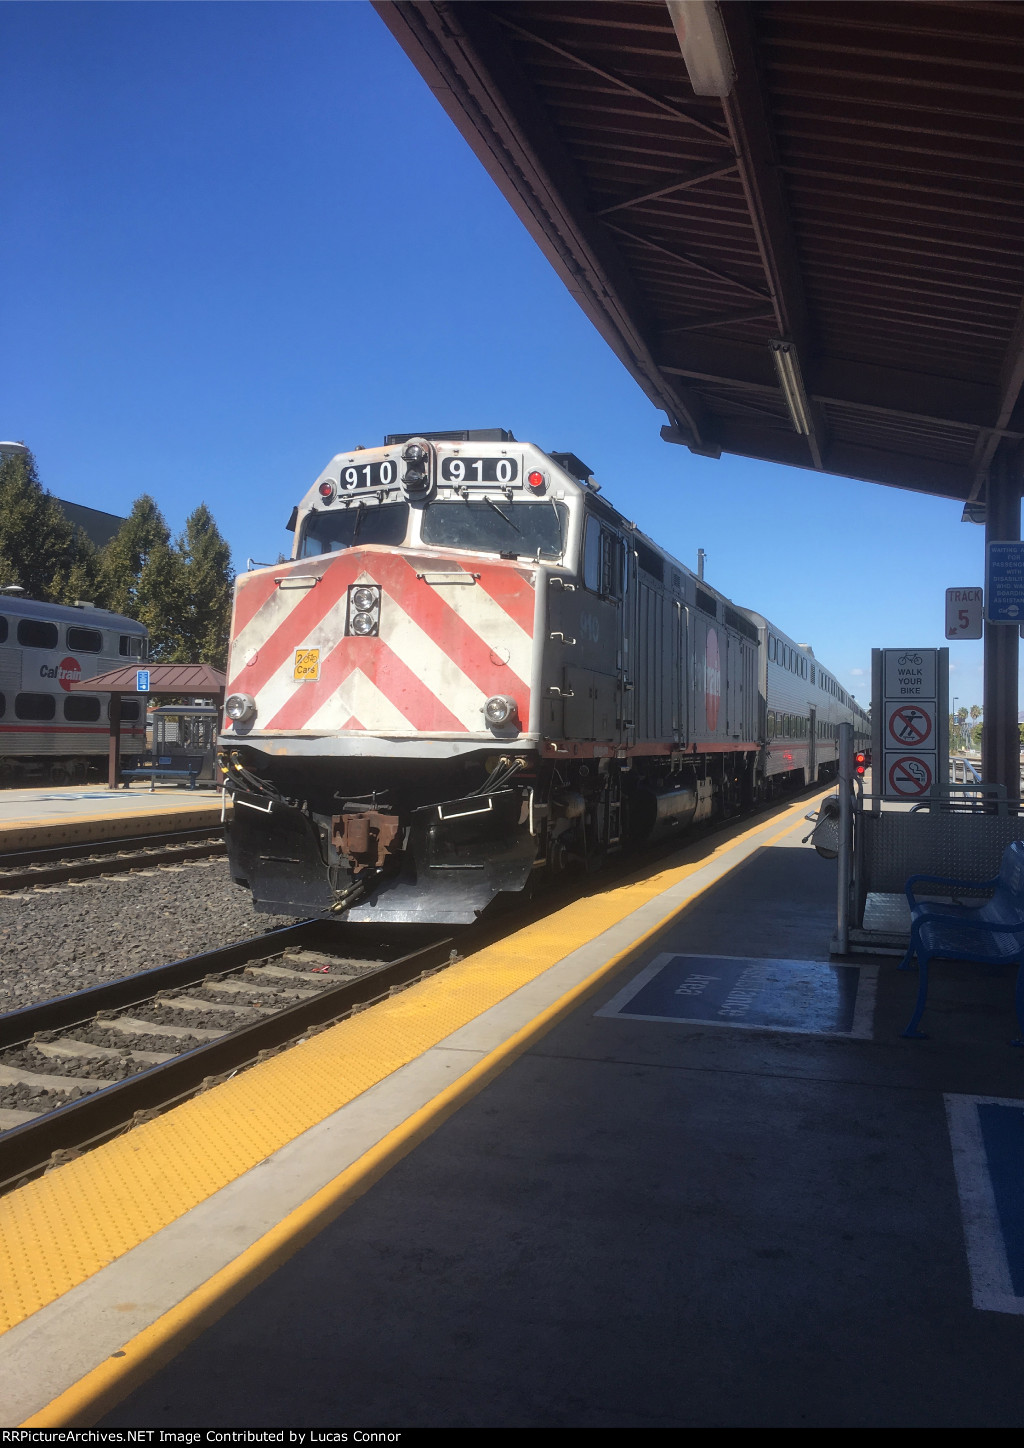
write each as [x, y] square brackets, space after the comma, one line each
[474, 668]
[45, 729]
[804, 707]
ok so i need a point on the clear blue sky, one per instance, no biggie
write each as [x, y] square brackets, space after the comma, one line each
[238, 238]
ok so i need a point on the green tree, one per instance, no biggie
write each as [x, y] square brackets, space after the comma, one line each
[160, 603]
[975, 735]
[208, 583]
[78, 575]
[142, 535]
[180, 591]
[38, 544]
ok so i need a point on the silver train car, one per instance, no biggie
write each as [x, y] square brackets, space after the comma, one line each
[45, 729]
[474, 669]
[804, 705]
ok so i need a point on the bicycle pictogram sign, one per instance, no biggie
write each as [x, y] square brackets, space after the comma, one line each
[910, 724]
[910, 776]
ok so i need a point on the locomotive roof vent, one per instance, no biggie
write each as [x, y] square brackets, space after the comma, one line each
[480, 434]
[571, 464]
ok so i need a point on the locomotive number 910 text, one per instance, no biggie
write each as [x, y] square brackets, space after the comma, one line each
[370, 475]
[479, 470]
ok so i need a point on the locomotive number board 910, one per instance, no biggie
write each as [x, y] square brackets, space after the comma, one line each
[369, 475]
[479, 470]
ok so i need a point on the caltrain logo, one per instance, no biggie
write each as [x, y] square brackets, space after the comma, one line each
[67, 672]
[712, 680]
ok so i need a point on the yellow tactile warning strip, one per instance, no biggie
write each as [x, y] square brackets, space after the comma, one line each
[57, 1231]
[71, 829]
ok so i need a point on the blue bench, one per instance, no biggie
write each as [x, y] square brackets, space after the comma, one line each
[167, 767]
[988, 932]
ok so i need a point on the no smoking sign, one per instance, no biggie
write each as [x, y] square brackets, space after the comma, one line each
[909, 775]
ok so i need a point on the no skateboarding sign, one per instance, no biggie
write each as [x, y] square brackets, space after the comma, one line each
[909, 724]
[910, 776]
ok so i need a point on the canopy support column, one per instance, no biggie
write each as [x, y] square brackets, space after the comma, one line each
[1000, 736]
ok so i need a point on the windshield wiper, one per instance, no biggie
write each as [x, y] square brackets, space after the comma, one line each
[559, 551]
[492, 504]
[360, 510]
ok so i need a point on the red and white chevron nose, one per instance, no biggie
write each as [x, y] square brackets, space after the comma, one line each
[446, 640]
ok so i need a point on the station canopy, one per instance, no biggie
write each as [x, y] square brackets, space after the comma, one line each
[799, 225]
[165, 681]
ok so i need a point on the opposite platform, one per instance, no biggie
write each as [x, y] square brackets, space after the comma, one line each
[46, 818]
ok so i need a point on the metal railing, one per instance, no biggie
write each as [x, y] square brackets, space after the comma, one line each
[963, 771]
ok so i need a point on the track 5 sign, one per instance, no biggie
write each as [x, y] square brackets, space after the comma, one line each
[963, 612]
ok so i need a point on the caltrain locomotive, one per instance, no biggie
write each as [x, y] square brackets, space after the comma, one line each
[472, 669]
[45, 729]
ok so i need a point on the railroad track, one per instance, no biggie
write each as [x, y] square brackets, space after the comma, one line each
[21, 870]
[136, 1046]
[81, 1068]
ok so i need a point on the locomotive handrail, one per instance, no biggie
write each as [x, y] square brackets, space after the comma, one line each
[297, 580]
[456, 576]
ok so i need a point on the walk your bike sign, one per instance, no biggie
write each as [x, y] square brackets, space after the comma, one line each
[909, 714]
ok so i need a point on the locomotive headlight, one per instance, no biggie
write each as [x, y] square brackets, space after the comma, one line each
[500, 709]
[364, 610]
[240, 707]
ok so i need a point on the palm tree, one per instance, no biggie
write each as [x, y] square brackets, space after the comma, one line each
[976, 731]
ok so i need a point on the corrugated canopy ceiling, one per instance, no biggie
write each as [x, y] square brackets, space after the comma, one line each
[858, 193]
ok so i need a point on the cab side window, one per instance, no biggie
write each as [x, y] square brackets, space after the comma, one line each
[604, 560]
[592, 556]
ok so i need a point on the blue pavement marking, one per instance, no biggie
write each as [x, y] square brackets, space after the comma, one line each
[65, 795]
[987, 1137]
[810, 997]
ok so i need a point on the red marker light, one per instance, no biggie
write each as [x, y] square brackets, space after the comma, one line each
[537, 481]
[327, 491]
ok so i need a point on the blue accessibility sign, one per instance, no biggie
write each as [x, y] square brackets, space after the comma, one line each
[1004, 583]
[807, 996]
[142, 681]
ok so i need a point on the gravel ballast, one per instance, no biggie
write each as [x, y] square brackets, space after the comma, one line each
[65, 938]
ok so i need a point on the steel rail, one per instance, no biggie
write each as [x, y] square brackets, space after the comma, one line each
[121, 864]
[29, 1149]
[11, 859]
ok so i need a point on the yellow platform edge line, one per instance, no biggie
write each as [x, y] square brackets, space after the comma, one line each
[100, 1390]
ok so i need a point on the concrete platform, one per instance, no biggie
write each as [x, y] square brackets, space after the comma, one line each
[63, 815]
[613, 1197]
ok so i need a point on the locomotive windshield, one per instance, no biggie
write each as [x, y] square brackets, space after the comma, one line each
[529, 529]
[330, 532]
